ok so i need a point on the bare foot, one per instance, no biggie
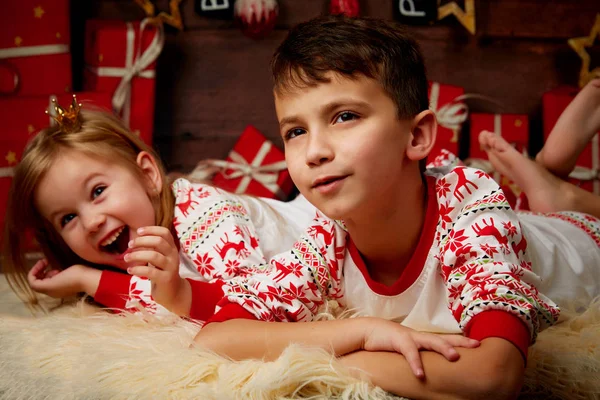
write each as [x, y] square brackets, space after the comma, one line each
[545, 192]
[573, 131]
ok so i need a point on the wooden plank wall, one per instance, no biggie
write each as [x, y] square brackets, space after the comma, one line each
[212, 81]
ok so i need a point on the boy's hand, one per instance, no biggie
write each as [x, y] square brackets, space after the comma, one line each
[53, 282]
[156, 257]
[383, 335]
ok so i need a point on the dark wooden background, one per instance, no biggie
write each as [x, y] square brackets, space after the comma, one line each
[212, 81]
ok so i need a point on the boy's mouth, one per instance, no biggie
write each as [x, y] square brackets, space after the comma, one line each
[326, 180]
[117, 242]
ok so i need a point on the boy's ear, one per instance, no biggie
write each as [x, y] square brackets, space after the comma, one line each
[151, 172]
[423, 134]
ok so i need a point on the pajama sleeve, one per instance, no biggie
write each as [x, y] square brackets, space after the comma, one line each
[113, 289]
[490, 284]
[295, 284]
[124, 292]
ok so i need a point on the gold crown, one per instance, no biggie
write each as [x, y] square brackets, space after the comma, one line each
[68, 120]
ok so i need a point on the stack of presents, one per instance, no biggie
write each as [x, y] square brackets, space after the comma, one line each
[36, 67]
[119, 75]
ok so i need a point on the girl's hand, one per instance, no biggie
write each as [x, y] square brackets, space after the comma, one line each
[383, 335]
[156, 257]
[53, 282]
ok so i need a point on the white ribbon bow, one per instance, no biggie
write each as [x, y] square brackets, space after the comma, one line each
[7, 172]
[451, 115]
[28, 51]
[267, 174]
[134, 66]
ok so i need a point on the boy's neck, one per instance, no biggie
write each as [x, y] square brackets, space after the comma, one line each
[387, 240]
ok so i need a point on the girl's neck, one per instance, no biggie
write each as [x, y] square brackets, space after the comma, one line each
[387, 237]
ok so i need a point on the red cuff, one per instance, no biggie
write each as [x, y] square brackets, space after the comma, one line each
[204, 298]
[500, 324]
[231, 311]
[113, 289]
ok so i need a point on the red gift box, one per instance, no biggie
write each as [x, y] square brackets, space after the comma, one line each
[446, 102]
[254, 166]
[514, 128]
[586, 171]
[23, 117]
[121, 58]
[34, 47]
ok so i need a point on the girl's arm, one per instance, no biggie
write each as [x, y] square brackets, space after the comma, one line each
[57, 283]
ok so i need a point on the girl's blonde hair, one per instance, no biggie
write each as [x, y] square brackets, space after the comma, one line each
[100, 135]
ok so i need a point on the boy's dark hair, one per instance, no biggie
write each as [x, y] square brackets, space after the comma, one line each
[375, 48]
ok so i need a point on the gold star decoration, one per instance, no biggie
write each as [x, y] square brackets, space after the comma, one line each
[579, 45]
[173, 19]
[18, 41]
[11, 157]
[30, 129]
[38, 12]
[466, 17]
[58, 35]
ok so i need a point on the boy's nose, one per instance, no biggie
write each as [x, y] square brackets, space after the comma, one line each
[319, 149]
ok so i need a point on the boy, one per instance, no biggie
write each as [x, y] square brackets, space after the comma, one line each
[439, 251]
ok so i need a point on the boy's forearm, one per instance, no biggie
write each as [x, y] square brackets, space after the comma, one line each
[492, 371]
[243, 339]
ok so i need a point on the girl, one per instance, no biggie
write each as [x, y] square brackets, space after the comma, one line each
[86, 186]
[98, 202]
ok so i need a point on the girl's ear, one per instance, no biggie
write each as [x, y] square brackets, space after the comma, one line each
[151, 172]
[423, 134]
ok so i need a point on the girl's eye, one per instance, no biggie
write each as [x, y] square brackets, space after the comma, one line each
[345, 116]
[66, 219]
[98, 191]
[292, 133]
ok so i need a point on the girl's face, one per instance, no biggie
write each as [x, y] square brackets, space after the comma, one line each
[96, 205]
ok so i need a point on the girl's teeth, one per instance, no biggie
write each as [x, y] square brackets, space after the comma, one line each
[113, 237]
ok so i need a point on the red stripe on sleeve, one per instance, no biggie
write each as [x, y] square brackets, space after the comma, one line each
[231, 311]
[205, 297]
[500, 324]
[113, 289]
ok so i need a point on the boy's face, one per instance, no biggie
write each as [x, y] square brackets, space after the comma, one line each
[344, 145]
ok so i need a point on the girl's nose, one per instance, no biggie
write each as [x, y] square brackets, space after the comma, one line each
[94, 221]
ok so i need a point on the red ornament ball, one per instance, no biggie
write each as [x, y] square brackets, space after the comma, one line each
[256, 17]
[349, 8]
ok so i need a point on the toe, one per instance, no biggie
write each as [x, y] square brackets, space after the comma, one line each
[484, 140]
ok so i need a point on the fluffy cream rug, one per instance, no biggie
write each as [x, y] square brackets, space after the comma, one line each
[79, 353]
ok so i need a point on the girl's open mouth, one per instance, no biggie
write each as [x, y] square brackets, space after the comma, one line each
[118, 242]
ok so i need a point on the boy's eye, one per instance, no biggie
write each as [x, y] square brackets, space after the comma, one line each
[66, 219]
[345, 116]
[292, 133]
[98, 191]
